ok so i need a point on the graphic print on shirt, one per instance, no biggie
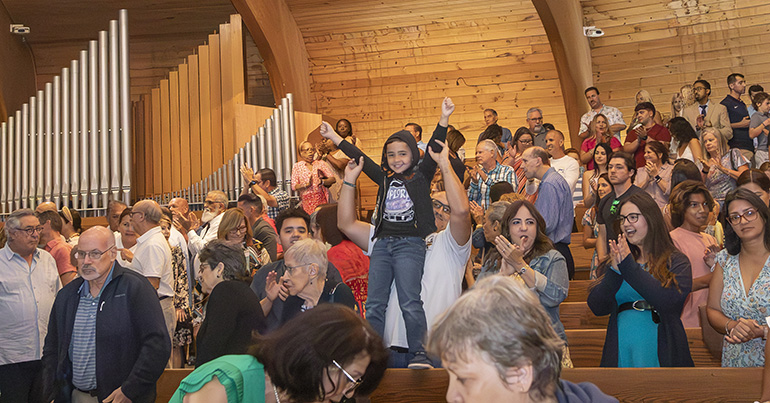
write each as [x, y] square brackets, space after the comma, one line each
[398, 204]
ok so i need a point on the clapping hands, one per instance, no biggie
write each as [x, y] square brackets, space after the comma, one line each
[619, 250]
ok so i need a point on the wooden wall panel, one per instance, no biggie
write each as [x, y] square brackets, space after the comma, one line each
[176, 141]
[195, 123]
[383, 65]
[217, 155]
[661, 45]
[165, 136]
[204, 83]
[184, 123]
[226, 81]
[157, 178]
[149, 172]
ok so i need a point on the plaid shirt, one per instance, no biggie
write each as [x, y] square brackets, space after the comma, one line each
[282, 198]
[479, 190]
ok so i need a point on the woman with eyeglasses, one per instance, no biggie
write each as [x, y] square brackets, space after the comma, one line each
[305, 276]
[235, 230]
[522, 140]
[643, 291]
[529, 255]
[328, 354]
[232, 310]
[739, 293]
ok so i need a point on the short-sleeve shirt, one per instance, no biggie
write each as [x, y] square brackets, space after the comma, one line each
[656, 132]
[614, 116]
[737, 111]
[282, 198]
[315, 194]
[653, 189]
[398, 218]
[605, 214]
[720, 183]
[152, 258]
[756, 120]
[60, 250]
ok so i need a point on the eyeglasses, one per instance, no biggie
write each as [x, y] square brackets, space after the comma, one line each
[614, 207]
[239, 229]
[525, 141]
[537, 119]
[290, 269]
[31, 230]
[93, 255]
[698, 88]
[750, 215]
[354, 383]
[632, 218]
[439, 205]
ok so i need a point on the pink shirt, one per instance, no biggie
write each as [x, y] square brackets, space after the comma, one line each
[590, 143]
[314, 193]
[60, 250]
[694, 246]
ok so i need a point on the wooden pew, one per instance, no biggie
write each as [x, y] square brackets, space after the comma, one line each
[88, 222]
[578, 290]
[577, 315]
[585, 347]
[626, 384]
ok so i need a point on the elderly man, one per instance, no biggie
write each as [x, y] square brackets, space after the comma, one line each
[261, 230]
[152, 257]
[447, 253]
[29, 282]
[214, 206]
[554, 201]
[109, 319]
[490, 118]
[114, 208]
[53, 242]
[535, 123]
[487, 173]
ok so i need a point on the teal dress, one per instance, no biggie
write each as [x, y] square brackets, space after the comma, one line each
[242, 376]
[637, 333]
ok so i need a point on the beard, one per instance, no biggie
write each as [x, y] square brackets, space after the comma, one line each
[207, 216]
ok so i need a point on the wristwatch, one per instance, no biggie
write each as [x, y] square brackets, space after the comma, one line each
[252, 183]
[657, 178]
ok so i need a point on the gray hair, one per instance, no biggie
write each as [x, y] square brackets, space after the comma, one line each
[14, 220]
[151, 210]
[496, 210]
[504, 323]
[219, 197]
[532, 110]
[231, 256]
[489, 145]
[309, 251]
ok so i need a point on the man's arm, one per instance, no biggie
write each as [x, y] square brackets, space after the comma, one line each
[248, 176]
[549, 208]
[617, 128]
[459, 218]
[357, 231]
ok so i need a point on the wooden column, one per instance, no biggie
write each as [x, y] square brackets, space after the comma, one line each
[563, 23]
[280, 43]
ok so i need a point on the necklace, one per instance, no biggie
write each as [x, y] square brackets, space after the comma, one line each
[277, 399]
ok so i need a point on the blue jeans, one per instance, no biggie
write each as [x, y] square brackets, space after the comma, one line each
[399, 259]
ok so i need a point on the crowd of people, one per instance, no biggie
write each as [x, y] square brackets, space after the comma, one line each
[277, 301]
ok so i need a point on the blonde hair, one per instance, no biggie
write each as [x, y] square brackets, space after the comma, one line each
[644, 95]
[231, 220]
[721, 141]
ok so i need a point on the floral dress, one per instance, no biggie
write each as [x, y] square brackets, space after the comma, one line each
[736, 303]
[315, 193]
[589, 219]
[183, 332]
[720, 183]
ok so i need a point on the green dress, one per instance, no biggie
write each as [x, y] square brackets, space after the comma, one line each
[242, 376]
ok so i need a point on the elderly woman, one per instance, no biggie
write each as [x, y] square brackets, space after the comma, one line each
[325, 355]
[492, 228]
[126, 242]
[497, 346]
[232, 310]
[723, 166]
[739, 293]
[655, 177]
[529, 255]
[235, 230]
[182, 336]
[305, 277]
[643, 292]
[311, 178]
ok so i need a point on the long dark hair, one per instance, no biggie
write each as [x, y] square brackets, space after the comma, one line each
[732, 241]
[542, 243]
[657, 244]
[681, 130]
[607, 150]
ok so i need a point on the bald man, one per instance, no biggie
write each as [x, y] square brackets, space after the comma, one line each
[566, 166]
[108, 318]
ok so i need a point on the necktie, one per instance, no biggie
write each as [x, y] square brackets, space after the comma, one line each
[703, 109]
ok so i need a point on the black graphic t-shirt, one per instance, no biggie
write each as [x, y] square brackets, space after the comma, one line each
[398, 218]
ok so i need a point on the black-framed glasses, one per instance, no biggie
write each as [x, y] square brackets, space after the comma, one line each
[750, 215]
[354, 383]
[631, 217]
[31, 230]
[614, 207]
[93, 255]
[439, 205]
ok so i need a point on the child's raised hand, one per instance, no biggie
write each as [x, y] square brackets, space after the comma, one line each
[328, 132]
[353, 169]
[441, 156]
[447, 107]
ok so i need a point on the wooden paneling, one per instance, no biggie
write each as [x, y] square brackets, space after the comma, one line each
[215, 102]
[381, 65]
[661, 45]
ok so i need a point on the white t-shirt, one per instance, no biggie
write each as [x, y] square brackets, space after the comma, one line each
[152, 258]
[442, 281]
[569, 169]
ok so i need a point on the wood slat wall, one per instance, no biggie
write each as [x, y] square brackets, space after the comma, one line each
[660, 45]
[381, 65]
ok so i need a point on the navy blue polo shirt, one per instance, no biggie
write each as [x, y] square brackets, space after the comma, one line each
[737, 111]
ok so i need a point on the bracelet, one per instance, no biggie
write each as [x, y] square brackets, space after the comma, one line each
[727, 331]
[353, 185]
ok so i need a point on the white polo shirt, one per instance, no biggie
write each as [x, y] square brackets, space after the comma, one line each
[152, 258]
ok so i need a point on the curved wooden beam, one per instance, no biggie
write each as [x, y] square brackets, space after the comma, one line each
[563, 23]
[282, 47]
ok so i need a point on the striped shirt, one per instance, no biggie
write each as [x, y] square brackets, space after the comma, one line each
[479, 189]
[82, 348]
[282, 198]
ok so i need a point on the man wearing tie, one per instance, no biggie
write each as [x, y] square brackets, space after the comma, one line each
[703, 113]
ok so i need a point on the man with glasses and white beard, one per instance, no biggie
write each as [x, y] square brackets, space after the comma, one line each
[214, 205]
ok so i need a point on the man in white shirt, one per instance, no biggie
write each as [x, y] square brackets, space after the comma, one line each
[29, 282]
[152, 257]
[565, 165]
[214, 206]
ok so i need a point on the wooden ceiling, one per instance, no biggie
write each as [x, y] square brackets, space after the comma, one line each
[162, 32]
